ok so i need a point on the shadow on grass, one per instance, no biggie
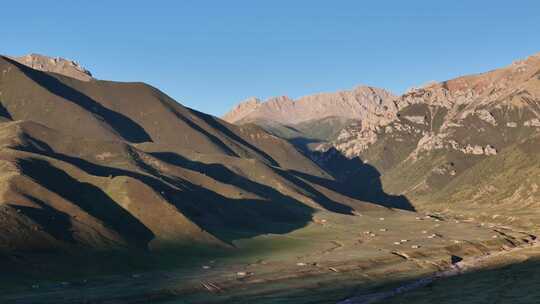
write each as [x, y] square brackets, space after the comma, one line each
[226, 218]
[354, 178]
[54, 222]
[223, 174]
[516, 283]
[86, 196]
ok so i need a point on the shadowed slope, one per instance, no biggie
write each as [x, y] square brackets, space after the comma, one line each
[221, 173]
[225, 203]
[54, 222]
[357, 179]
[122, 125]
[89, 198]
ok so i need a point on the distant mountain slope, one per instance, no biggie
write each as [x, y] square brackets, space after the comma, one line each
[308, 134]
[362, 103]
[445, 146]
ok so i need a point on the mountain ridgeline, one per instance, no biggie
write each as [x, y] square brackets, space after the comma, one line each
[467, 146]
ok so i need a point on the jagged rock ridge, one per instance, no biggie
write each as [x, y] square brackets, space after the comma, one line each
[368, 104]
[57, 65]
[440, 113]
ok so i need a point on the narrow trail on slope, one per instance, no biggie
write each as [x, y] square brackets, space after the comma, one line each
[459, 268]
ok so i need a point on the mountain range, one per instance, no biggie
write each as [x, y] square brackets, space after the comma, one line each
[355, 180]
[465, 146]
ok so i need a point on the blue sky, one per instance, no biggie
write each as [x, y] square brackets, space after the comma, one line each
[209, 55]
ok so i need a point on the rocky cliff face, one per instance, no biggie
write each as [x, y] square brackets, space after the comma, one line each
[471, 114]
[57, 65]
[370, 105]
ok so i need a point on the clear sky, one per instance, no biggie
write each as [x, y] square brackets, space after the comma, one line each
[211, 54]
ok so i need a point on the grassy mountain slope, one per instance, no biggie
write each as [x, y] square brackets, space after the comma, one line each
[106, 165]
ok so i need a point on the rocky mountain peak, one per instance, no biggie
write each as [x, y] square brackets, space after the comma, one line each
[478, 90]
[57, 65]
[362, 103]
[242, 109]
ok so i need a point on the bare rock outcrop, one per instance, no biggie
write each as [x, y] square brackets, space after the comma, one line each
[371, 105]
[243, 109]
[535, 122]
[57, 65]
[456, 114]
